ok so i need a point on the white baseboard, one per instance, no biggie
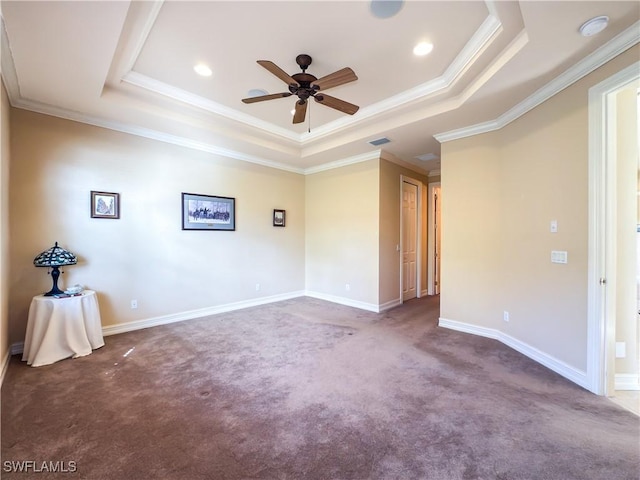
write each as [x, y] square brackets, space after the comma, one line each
[627, 381]
[18, 348]
[571, 373]
[345, 301]
[190, 315]
[389, 305]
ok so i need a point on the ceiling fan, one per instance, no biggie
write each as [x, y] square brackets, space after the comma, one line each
[305, 85]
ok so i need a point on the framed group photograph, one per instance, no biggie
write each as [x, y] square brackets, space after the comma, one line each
[208, 212]
[105, 205]
[278, 218]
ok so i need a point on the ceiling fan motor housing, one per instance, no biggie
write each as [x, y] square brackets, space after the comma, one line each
[304, 89]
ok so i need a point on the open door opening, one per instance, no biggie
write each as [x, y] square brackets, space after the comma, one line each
[434, 239]
[613, 359]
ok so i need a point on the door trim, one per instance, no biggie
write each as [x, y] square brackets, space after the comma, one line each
[419, 268]
[602, 223]
[431, 243]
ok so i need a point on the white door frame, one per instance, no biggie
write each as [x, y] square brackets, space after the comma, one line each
[418, 184]
[602, 225]
[431, 239]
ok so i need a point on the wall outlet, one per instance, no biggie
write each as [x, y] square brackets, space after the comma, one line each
[347, 287]
[505, 316]
[134, 303]
[257, 287]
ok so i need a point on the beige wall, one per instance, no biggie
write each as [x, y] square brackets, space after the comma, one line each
[627, 214]
[502, 189]
[390, 198]
[471, 260]
[145, 255]
[342, 233]
[4, 224]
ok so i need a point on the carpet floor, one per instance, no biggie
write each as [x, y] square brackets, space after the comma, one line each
[307, 389]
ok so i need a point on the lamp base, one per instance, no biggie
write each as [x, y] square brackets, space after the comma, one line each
[55, 274]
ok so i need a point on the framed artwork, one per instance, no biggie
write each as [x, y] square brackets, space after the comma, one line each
[105, 205]
[278, 218]
[208, 212]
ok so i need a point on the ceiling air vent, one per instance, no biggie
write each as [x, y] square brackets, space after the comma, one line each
[379, 141]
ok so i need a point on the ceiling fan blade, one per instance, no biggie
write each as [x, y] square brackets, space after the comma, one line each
[334, 79]
[278, 72]
[301, 111]
[336, 103]
[262, 98]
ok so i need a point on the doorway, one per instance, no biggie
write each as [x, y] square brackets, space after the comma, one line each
[612, 289]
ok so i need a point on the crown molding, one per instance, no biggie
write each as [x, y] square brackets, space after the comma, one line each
[481, 39]
[7, 68]
[183, 141]
[183, 96]
[363, 157]
[150, 133]
[591, 62]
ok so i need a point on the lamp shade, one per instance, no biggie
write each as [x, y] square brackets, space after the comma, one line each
[55, 257]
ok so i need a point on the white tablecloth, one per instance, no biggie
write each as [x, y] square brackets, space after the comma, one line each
[60, 328]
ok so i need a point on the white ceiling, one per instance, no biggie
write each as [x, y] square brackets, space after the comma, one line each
[129, 66]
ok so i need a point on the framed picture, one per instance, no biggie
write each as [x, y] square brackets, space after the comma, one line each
[207, 212]
[278, 218]
[105, 205]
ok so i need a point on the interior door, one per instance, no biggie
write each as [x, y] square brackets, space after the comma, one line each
[409, 240]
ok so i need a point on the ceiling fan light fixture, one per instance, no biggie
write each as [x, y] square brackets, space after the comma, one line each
[422, 49]
[202, 70]
[594, 26]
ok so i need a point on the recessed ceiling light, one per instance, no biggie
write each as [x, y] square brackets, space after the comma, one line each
[594, 26]
[385, 8]
[202, 69]
[422, 49]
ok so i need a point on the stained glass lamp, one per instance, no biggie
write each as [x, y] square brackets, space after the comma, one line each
[54, 258]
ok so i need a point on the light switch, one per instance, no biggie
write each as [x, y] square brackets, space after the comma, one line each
[553, 227]
[558, 256]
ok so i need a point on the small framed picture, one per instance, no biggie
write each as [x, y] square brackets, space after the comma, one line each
[207, 212]
[278, 218]
[105, 205]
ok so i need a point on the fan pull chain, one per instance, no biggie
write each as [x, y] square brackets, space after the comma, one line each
[309, 117]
